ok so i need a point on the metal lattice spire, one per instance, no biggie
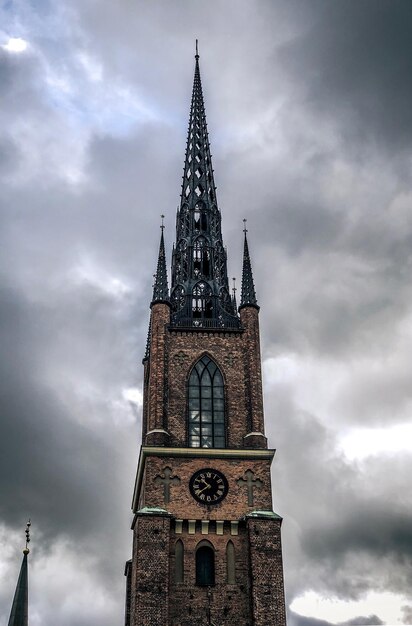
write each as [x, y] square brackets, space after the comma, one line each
[200, 291]
[19, 615]
[160, 287]
[248, 294]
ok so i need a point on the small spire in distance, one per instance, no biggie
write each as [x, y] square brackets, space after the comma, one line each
[160, 287]
[234, 294]
[248, 295]
[19, 615]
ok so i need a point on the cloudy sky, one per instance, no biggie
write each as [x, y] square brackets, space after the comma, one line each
[310, 118]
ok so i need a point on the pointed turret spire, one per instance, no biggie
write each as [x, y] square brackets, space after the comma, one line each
[160, 287]
[248, 295]
[234, 290]
[200, 291]
[19, 614]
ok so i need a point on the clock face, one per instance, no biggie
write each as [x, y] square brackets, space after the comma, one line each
[208, 486]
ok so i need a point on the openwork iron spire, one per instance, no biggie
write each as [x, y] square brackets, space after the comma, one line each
[200, 292]
[19, 615]
[248, 295]
[160, 288]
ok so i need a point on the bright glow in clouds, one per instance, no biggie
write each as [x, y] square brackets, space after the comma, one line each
[360, 443]
[15, 44]
[134, 395]
[91, 273]
[384, 605]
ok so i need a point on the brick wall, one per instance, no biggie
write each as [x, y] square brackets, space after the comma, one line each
[150, 571]
[266, 572]
[172, 355]
[229, 605]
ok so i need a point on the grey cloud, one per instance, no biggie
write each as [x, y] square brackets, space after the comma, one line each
[357, 62]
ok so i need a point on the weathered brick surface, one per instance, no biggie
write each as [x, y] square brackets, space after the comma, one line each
[249, 317]
[256, 598]
[150, 571]
[172, 356]
[229, 604]
[183, 506]
[158, 366]
[266, 572]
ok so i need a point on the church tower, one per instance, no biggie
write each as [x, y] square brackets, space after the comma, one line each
[206, 543]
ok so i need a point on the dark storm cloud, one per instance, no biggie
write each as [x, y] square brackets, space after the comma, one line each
[370, 528]
[358, 62]
[48, 461]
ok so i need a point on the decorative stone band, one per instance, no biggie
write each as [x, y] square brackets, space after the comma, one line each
[205, 453]
[205, 527]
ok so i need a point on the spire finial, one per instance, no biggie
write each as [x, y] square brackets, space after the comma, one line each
[27, 531]
[160, 287]
[197, 49]
[19, 614]
[244, 225]
[162, 226]
[248, 294]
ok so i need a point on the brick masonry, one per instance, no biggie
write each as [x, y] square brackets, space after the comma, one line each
[257, 597]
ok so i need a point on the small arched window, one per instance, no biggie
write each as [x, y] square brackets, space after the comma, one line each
[179, 561]
[230, 563]
[206, 406]
[205, 565]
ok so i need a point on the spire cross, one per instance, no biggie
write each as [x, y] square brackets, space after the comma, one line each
[197, 50]
[234, 285]
[166, 481]
[250, 483]
[162, 226]
[27, 531]
[244, 226]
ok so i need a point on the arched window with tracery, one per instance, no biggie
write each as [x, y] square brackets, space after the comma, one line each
[205, 565]
[206, 411]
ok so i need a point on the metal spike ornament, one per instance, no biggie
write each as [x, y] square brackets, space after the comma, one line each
[27, 532]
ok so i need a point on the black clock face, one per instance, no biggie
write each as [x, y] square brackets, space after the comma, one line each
[208, 486]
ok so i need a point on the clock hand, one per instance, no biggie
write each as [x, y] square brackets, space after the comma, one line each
[207, 487]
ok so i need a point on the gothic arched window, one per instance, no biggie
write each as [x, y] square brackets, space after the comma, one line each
[230, 563]
[205, 565]
[179, 561]
[206, 405]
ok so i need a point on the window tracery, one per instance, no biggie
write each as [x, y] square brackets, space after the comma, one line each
[206, 412]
